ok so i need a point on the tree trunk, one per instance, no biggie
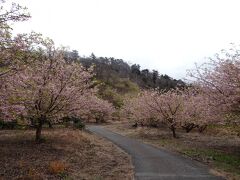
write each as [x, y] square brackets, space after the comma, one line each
[135, 125]
[97, 120]
[189, 127]
[202, 128]
[173, 129]
[39, 129]
[50, 125]
[38, 132]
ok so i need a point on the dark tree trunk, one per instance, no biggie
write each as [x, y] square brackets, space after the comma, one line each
[135, 125]
[39, 132]
[41, 121]
[189, 127]
[97, 120]
[50, 125]
[202, 128]
[173, 129]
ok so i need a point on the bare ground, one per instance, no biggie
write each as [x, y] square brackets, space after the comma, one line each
[66, 154]
[219, 149]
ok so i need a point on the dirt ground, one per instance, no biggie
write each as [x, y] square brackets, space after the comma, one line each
[65, 154]
[219, 149]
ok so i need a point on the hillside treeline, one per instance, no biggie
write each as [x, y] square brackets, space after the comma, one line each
[116, 78]
[111, 71]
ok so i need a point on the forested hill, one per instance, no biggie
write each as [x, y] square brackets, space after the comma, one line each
[118, 73]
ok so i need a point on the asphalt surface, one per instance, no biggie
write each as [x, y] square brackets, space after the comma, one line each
[151, 163]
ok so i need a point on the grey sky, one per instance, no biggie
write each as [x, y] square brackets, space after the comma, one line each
[167, 35]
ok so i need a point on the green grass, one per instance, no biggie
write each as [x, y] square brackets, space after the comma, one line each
[221, 160]
[229, 129]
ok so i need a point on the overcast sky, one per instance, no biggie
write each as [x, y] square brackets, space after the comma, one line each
[167, 35]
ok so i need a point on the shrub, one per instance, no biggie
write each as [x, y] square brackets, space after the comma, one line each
[1, 124]
[79, 125]
[77, 122]
[57, 167]
[8, 125]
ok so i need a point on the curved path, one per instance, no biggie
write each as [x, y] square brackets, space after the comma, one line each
[155, 164]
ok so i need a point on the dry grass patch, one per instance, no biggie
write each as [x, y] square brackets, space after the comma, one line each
[57, 167]
[66, 154]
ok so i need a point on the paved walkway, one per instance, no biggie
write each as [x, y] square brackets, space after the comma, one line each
[155, 164]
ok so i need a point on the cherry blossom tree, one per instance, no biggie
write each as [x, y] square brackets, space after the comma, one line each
[136, 110]
[11, 48]
[50, 89]
[169, 106]
[36, 81]
[197, 110]
[15, 52]
[158, 107]
[95, 109]
[219, 80]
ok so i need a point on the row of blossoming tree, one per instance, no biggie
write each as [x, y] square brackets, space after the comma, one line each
[37, 84]
[212, 98]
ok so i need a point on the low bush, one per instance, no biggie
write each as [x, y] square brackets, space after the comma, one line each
[9, 125]
[57, 167]
[79, 125]
[76, 122]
